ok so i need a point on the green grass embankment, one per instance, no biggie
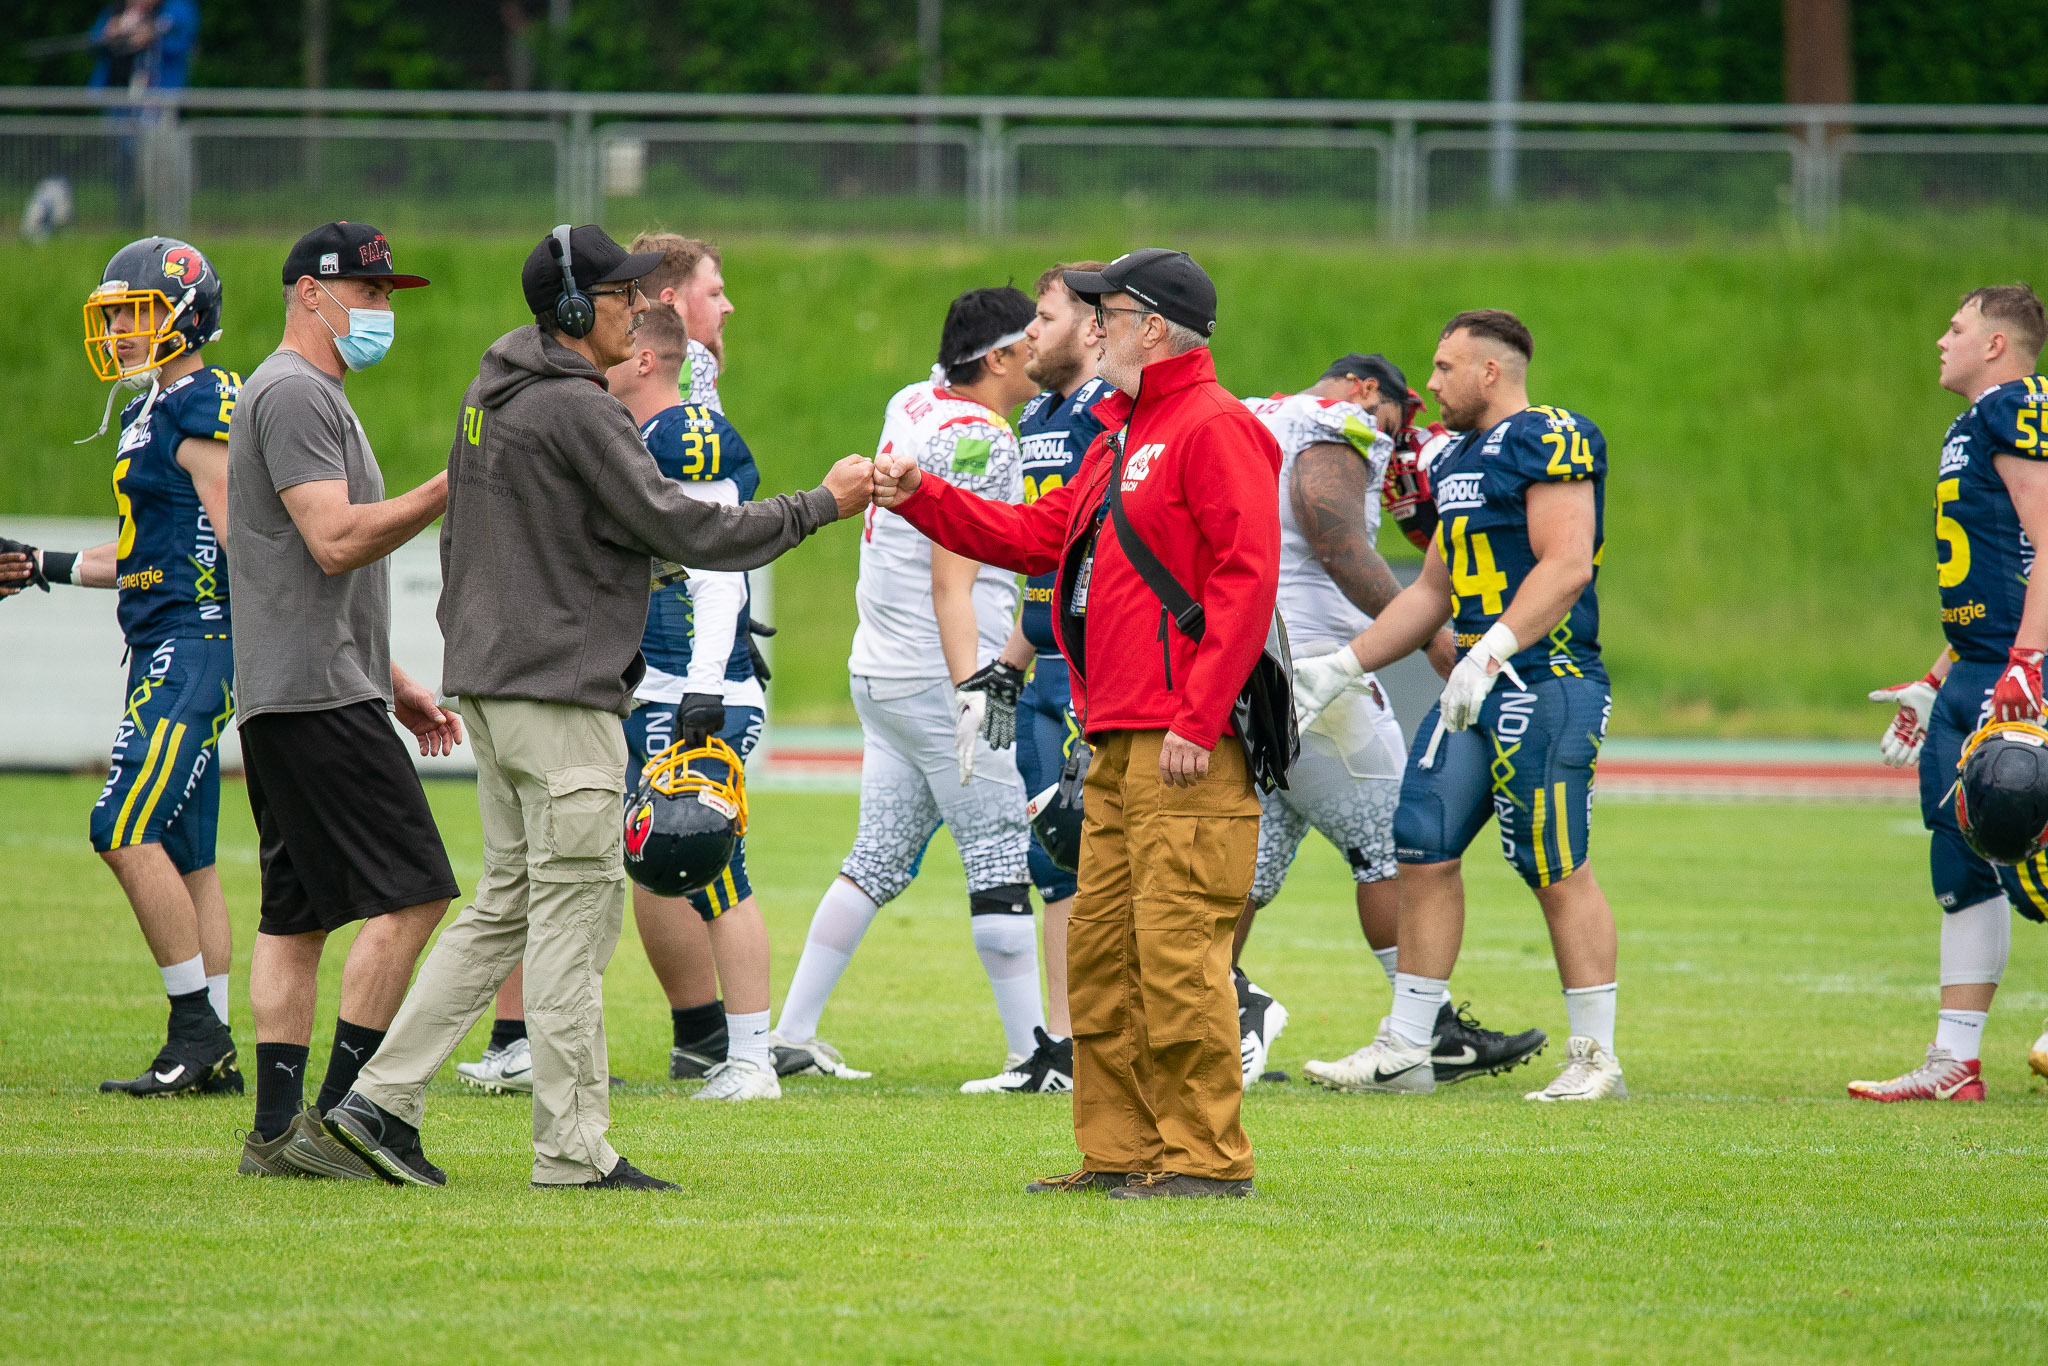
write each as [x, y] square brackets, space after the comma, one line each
[1771, 413]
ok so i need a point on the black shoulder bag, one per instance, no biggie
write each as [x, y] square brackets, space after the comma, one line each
[1264, 714]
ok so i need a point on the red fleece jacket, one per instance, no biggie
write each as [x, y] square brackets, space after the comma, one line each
[1201, 486]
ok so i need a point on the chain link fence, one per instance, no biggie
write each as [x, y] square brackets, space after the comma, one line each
[276, 160]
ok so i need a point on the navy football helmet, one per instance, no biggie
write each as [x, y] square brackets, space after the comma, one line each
[683, 821]
[1055, 814]
[2002, 791]
[160, 290]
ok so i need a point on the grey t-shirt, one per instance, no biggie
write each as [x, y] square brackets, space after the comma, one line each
[305, 640]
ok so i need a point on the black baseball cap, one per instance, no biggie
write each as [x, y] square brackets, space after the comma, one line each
[1358, 365]
[345, 251]
[597, 260]
[1166, 281]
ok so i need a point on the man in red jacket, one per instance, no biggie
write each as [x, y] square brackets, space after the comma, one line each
[1171, 828]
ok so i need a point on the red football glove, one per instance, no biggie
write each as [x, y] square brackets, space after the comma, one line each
[2018, 694]
[1406, 494]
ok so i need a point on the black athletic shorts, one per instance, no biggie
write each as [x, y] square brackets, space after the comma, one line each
[342, 824]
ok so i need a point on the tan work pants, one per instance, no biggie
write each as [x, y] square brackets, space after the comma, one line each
[551, 781]
[1158, 1083]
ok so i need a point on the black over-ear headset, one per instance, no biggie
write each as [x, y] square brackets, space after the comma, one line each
[574, 313]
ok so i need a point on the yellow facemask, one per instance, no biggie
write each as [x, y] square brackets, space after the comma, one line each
[671, 773]
[154, 320]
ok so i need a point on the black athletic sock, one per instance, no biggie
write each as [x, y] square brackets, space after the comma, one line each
[701, 1029]
[354, 1045]
[503, 1032]
[192, 1016]
[280, 1086]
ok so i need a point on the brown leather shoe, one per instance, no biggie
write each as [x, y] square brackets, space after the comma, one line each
[1160, 1185]
[1083, 1180]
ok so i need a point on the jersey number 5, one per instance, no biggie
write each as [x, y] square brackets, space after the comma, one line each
[1473, 572]
[125, 541]
[1948, 530]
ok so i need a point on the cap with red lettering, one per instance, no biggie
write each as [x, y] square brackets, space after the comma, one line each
[345, 251]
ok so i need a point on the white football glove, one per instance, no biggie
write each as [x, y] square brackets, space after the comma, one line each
[1473, 676]
[1915, 701]
[970, 712]
[1319, 679]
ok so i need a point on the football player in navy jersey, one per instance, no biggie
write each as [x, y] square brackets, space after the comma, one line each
[1513, 566]
[1054, 431]
[1990, 511]
[157, 304]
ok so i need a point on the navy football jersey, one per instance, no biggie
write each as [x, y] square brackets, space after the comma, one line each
[1481, 482]
[1055, 433]
[1982, 557]
[695, 444]
[170, 567]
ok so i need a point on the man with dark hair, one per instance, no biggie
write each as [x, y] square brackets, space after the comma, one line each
[345, 831]
[1171, 817]
[555, 511]
[931, 624]
[1991, 513]
[1520, 499]
[1054, 430]
[1335, 444]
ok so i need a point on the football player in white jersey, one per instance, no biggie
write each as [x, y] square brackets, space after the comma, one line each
[931, 626]
[1335, 442]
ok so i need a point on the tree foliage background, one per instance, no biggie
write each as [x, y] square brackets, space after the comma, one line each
[1962, 51]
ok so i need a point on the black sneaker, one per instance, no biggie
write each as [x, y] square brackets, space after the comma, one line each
[687, 1064]
[1077, 1182]
[184, 1064]
[623, 1176]
[1174, 1186]
[387, 1143]
[1049, 1069]
[1464, 1048]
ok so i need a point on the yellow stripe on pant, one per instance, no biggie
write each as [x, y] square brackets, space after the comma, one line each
[1542, 864]
[1564, 836]
[163, 777]
[156, 745]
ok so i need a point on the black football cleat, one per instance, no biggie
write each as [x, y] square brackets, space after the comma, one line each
[1464, 1048]
[227, 1082]
[186, 1064]
[389, 1145]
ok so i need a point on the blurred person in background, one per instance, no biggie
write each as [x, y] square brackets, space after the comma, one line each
[141, 45]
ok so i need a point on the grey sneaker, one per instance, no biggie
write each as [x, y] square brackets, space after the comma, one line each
[260, 1158]
[1172, 1185]
[312, 1151]
[1077, 1182]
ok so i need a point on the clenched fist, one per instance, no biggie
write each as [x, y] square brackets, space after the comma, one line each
[849, 482]
[896, 478]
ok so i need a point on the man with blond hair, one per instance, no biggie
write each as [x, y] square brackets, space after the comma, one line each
[691, 280]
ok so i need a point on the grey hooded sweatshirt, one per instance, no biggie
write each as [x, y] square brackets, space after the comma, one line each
[555, 509]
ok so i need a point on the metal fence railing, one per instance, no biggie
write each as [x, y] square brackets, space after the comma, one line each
[1403, 170]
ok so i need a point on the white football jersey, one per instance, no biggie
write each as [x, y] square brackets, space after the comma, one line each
[973, 448]
[700, 377]
[1311, 604]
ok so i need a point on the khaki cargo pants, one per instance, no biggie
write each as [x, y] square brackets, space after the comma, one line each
[551, 782]
[1158, 1083]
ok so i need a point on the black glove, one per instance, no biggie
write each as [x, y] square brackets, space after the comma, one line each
[1002, 682]
[758, 660]
[35, 567]
[698, 716]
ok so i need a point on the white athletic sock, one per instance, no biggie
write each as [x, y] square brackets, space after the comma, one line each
[1388, 957]
[1591, 1012]
[1008, 945]
[217, 995]
[1961, 1032]
[843, 916]
[1975, 942]
[1416, 1003]
[182, 979]
[747, 1037]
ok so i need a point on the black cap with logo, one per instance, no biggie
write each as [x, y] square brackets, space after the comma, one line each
[345, 251]
[1357, 365]
[595, 258]
[1167, 282]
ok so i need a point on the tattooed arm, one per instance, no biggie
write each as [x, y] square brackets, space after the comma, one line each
[1329, 491]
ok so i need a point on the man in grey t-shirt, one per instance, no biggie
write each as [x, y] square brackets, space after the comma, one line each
[344, 828]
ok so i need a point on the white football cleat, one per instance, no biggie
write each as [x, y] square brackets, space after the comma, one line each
[982, 1085]
[1389, 1063]
[501, 1069]
[1048, 1070]
[2037, 1057]
[740, 1079]
[1590, 1073]
[810, 1058]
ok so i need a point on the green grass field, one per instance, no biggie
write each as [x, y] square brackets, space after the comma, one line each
[1771, 412]
[1738, 1210]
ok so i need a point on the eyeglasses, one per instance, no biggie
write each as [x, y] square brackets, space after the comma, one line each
[626, 291]
[1102, 321]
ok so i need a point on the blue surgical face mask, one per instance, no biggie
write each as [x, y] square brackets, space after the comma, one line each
[368, 338]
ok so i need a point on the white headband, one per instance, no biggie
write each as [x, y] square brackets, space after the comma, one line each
[1007, 339]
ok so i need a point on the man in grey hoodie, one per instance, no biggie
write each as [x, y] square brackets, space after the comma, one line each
[555, 508]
